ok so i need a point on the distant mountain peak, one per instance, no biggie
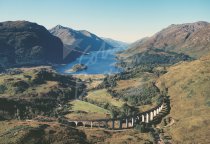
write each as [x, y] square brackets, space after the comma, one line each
[191, 39]
[86, 33]
[202, 22]
[116, 43]
[189, 26]
[59, 26]
[195, 23]
[78, 42]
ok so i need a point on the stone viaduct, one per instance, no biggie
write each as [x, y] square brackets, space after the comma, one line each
[119, 123]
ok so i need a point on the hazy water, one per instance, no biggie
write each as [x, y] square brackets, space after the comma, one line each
[100, 62]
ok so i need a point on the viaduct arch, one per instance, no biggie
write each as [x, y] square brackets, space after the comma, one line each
[119, 123]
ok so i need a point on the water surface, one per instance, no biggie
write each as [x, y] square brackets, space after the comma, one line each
[98, 62]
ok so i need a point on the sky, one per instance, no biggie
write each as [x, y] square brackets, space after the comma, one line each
[124, 20]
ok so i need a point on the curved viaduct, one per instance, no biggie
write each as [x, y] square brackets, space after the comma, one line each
[119, 123]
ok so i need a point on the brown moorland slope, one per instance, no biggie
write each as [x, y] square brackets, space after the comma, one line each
[181, 38]
[188, 87]
[170, 45]
[32, 132]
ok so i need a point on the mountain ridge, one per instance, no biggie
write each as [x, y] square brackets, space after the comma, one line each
[23, 43]
[191, 39]
[78, 42]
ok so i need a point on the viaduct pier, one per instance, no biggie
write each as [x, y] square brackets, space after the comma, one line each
[119, 123]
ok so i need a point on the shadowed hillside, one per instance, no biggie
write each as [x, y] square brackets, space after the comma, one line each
[77, 43]
[26, 43]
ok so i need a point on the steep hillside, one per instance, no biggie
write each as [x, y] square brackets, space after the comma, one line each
[151, 57]
[77, 43]
[34, 132]
[26, 43]
[190, 39]
[187, 84]
[39, 91]
[100, 136]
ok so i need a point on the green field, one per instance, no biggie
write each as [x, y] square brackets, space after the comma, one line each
[86, 111]
[104, 97]
[78, 105]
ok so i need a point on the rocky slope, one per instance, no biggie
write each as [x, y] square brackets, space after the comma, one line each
[187, 85]
[77, 43]
[26, 43]
[190, 39]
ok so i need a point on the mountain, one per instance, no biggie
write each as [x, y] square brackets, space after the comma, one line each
[115, 43]
[77, 43]
[190, 39]
[187, 84]
[26, 43]
[137, 43]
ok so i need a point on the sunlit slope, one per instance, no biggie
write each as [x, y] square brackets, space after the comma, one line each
[188, 85]
[85, 111]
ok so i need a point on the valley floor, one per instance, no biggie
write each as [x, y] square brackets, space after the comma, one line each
[185, 85]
